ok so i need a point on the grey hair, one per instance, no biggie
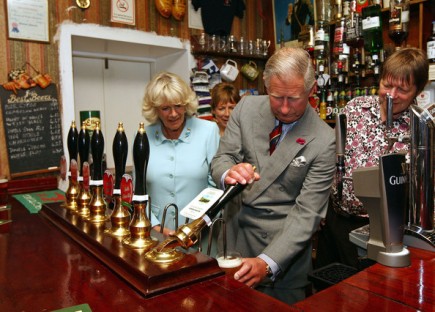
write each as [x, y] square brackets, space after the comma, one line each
[167, 88]
[285, 63]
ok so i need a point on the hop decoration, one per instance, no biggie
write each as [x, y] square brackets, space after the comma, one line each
[20, 79]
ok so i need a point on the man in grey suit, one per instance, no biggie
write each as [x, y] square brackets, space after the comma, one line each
[282, 209]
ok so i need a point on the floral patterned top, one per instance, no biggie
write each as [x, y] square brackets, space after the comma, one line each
[366, 140]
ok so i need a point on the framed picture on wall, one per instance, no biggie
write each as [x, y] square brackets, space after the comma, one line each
[28, 20]
[291, 17]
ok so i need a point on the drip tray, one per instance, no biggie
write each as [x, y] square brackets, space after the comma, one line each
[330, 275]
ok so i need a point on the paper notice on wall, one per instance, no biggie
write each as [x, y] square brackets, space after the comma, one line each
[123, 11]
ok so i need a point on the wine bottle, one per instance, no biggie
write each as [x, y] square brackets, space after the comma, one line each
[372, 29]
[431, 45]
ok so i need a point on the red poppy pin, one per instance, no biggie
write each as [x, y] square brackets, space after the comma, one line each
[300, 141]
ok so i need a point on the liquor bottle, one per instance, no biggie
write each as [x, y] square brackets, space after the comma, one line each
[321, 41]
[339, 36]
[372, 29]
[346, 8]
[356, 63]
[338, 9]
[320, 66]
[431, 45]
[353, 26]
[322, 106]
[341, 94]
[398, 21]
[330, 106]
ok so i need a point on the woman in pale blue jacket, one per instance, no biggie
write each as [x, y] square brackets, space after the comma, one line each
[181, 147]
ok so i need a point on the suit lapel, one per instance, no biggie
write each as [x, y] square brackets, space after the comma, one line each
[261, 128]
[273, 166]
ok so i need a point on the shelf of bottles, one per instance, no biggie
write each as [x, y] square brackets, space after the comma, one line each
[348, 51]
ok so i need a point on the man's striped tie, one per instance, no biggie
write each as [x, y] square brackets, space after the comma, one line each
[274, 137]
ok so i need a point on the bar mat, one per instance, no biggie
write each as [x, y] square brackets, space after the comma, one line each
[34, 201]
[79, 308]
[330, 275]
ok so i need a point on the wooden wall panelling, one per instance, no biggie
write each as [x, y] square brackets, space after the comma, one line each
[44, 56]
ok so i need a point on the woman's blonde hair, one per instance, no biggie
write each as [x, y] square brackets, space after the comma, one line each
[167, 88]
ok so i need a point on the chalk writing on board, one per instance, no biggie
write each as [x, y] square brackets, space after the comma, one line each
[33, 128]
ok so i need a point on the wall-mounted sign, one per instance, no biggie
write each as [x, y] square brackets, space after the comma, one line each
[123, 11]
[28, 20]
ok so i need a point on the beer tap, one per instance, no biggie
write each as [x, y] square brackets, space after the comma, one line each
[389, 125]
[340, 135]
[84, 196]
[73, 190]
[97, 206]
[120, 217]
[140, 226]
[188, 234]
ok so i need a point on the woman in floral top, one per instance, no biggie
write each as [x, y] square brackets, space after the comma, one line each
[404, 76]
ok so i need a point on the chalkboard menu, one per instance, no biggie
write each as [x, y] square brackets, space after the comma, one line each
[32, 122]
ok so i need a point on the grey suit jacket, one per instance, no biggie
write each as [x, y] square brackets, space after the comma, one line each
[282, 210]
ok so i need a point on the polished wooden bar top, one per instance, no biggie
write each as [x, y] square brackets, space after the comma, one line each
[382, 288]
[42, 269]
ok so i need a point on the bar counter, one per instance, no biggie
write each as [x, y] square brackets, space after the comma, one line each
[42, 269]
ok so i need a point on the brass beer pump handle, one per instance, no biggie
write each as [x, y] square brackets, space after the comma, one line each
[141, 153]
[83, 145]
[140, 225]
[72, 142]
[97, 147]
[120, 152]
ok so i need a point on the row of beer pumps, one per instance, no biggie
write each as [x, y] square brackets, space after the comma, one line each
[398, 194]
[87, 193]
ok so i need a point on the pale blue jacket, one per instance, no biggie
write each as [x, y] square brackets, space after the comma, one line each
[178, 170]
